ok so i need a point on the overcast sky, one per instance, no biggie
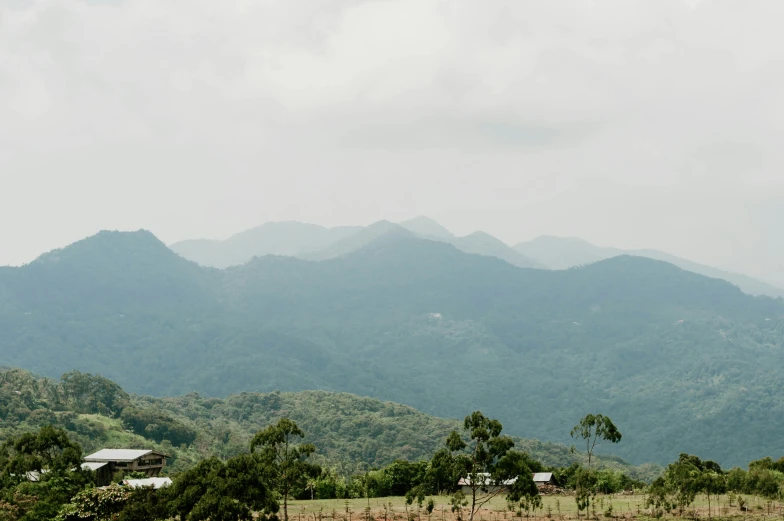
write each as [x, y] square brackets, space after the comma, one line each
[654, 123]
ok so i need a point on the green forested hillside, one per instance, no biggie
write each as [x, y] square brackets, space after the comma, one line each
[669, 354]
[351, 433]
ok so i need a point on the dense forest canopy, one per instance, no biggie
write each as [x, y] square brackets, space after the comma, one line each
[667, 353]
[352, 433]
[41, 477]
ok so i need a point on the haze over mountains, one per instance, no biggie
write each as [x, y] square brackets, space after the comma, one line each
[313, 242]
[667, 353]
[562, 253]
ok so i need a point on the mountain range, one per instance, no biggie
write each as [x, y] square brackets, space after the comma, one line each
[680, 361]
[562, 253]
[313, 242]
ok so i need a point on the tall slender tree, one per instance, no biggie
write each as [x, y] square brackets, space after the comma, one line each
[488, 465]
[279, 448]
[593, 428]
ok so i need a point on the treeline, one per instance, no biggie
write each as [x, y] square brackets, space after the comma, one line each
[41, 477]
[437, 477]
[677, 489]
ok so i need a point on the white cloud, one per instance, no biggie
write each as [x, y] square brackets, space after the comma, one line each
[628, 122]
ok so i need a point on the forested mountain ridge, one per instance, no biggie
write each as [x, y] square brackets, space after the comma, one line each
[562, 253]
[664, 351]
[351, 433]
[314, 242]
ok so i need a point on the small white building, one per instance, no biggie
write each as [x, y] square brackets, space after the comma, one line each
[540, 479]
[543, 478]
[155, 483]
[487, 486]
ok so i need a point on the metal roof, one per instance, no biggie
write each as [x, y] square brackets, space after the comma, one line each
[148, 482]
[94, 465]
[118, 455]
[540, 477]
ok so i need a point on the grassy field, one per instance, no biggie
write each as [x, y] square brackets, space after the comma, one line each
[556, 507]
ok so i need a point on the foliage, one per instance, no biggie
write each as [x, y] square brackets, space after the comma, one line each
[585, 490]
[353, 434]
[286, 460]
[95, 504]
[382, 320]
[488, 464]
[595, 427]
[689, 476]
[91, 394]
[41, 478]
[39, 472]
[157, 425]
[229, 491]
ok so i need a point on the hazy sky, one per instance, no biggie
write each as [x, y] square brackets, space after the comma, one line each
[651, 123]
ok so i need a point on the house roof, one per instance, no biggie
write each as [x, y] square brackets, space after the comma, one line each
[93, 465]
[119, 455]
[148, 482]
[540, 477]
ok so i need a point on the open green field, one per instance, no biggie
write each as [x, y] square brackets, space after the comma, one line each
[557, 507]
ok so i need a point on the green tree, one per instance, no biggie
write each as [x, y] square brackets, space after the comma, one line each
[736, 480]
[593, 428]
[712, 483]
[529, 504]
[41, 472]
[659, 497]
[89, 393]
[403, 476]
[441, 475]
[287, 459]
[95, 504]
[146, 504]
[490, 467]
[684, 478]
[231, 491]
[586, 482]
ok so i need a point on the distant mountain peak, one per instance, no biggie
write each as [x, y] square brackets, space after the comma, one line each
[361, 239]
[479, 234]
[568, 252]
[427, 227]
[110, 242]
[286, 238]
[384, 225]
